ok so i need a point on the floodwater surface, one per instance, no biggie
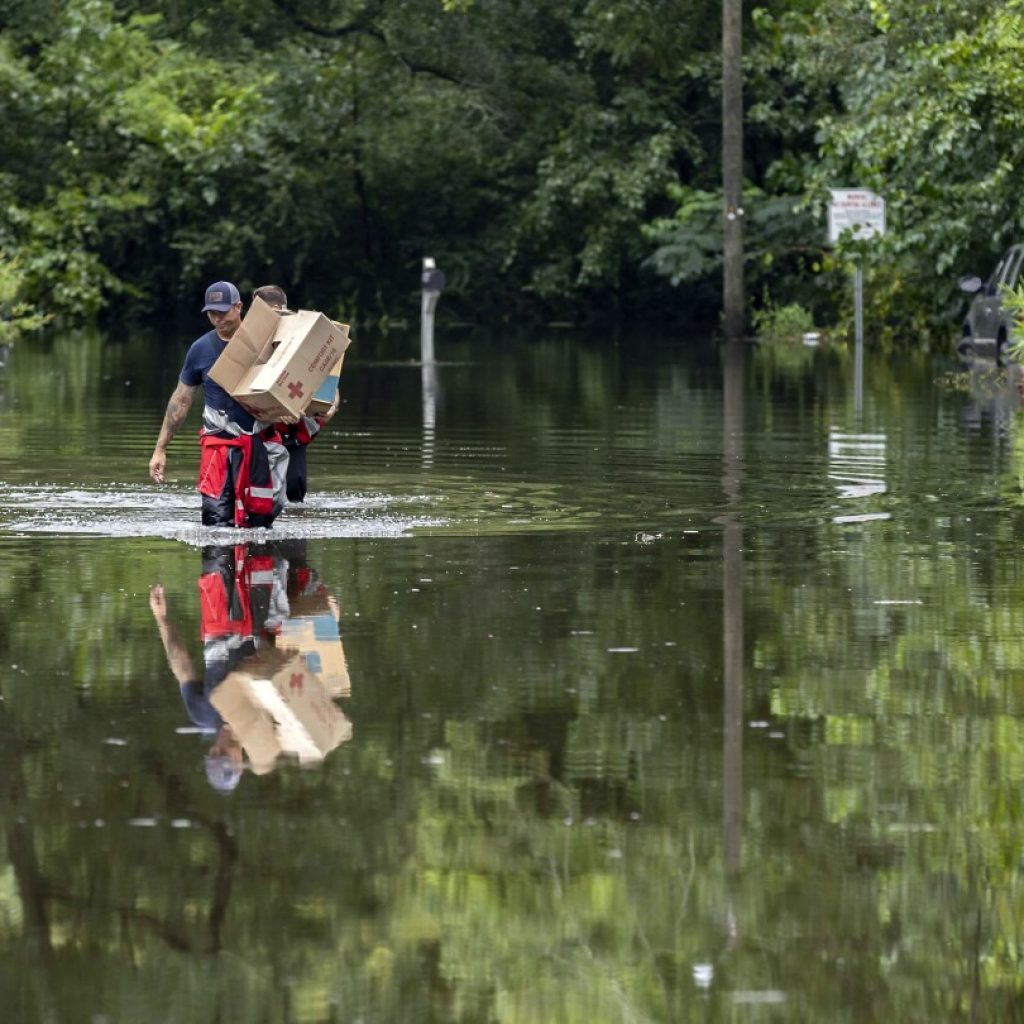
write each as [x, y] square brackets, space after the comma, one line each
[597, 680]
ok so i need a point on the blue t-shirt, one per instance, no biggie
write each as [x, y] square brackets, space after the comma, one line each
[202, 354]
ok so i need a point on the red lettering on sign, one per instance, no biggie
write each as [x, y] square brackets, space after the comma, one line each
[295, 683]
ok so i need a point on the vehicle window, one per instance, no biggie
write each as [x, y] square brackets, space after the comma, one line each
[1011, 272]
[992, 284]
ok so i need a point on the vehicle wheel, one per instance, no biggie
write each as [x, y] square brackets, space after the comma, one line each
[1002, 343]
[965, 346]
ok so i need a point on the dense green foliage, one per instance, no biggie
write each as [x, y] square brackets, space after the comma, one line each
[556, 158]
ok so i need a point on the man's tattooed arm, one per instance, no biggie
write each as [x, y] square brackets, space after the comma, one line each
[177, 410]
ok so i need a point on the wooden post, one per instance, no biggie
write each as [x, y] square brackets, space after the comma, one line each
[733, 322]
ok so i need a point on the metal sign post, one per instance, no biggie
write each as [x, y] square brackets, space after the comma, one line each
[858, 331]
[433, 284]
[856, 213]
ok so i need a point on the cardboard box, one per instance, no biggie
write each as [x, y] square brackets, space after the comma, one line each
[328, 391]
[276, 707]
[273, 365]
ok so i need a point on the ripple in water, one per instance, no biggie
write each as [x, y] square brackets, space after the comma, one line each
[174, 514]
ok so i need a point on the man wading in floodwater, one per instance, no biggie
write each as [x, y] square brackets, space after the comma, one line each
[243, 464]
[295, 436]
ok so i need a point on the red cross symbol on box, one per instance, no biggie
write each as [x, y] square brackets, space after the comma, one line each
[295, 389]
[295, 683]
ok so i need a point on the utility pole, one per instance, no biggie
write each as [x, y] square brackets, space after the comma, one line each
[732, 169]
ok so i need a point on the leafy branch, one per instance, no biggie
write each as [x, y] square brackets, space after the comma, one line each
[17, 317]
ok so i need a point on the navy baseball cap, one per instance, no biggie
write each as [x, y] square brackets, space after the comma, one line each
[221, 296]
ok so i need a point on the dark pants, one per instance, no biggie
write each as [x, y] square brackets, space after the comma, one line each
[297, 472]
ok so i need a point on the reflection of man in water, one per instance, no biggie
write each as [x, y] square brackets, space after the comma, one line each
[238, 593]
[246, 596]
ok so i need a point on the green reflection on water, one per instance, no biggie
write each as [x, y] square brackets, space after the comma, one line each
[700, 700]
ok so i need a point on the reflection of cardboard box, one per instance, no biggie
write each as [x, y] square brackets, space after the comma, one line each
[274, 365]
[275, 708]
[317, 639]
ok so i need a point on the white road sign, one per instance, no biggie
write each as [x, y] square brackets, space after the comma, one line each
[856, 209]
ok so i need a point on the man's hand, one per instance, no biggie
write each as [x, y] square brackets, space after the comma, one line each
[329, 415]
[158, 602]
[157, 465]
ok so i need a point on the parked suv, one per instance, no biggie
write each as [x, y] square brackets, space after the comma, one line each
[989, 327]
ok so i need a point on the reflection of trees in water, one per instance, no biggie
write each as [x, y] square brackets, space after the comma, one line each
[543, 832]
[65, 909]
[127, 871]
